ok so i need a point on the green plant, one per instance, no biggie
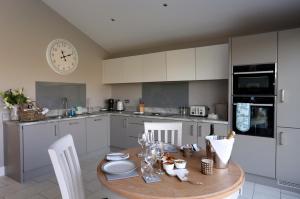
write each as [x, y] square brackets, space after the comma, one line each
[13, 97]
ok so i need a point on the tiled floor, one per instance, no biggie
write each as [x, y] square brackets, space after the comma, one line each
[45, 187]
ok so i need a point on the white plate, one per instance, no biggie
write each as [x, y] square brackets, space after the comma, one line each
[170, 148]
[119, 167]
[117, 156]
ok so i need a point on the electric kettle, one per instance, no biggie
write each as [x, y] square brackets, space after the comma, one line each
[120, 105]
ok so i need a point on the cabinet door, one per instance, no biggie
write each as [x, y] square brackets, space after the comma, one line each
[118, 125]
[36, 140]
[288, 159]
[154, 67]
[212, 62]
[181, 64]
[97, 130]
[221, 129]
[132, 69]
[75, 127]
[254, 49]
[288, 78]
[135, 126]
[256, 155]
[112, 71]
[189, 132]
[203, 130]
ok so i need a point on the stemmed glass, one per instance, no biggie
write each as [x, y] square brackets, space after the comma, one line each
[150, 158]
[159, 151]
[142, 141]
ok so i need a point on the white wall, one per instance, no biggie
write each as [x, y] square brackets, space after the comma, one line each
[27, 27]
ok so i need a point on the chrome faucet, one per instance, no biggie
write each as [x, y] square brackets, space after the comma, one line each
[65, 105]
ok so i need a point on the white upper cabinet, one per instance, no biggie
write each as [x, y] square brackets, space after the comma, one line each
[253, 49]
[132, 69]
[212, 62]
[181, 65]
[154, 67]
[111, 71]
[288, 108]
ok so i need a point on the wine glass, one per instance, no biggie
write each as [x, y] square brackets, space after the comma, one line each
[159, 151]
[150, 158]
[145, 169]
[142, 141]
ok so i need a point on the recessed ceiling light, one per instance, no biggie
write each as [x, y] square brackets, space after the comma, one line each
[165, 5]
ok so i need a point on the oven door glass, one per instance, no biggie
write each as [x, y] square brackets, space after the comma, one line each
[261, 119]
[254, 84]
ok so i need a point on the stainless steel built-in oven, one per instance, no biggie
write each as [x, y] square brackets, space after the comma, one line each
[254, 116]
[259, 79]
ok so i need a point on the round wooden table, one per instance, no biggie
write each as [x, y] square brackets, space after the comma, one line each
[224, 183]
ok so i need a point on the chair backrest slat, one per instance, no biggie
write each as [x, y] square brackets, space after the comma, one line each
[166, 129]
[65, 161]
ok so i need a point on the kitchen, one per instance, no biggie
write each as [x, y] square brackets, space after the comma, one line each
[28, 37]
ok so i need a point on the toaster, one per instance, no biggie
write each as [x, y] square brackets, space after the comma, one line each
[199, 110]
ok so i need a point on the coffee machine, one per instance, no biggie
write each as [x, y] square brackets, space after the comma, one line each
[110, 104]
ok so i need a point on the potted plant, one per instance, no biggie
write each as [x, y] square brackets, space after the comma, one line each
[12, 99]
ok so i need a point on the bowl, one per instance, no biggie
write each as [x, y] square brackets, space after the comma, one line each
[180, 164]
[168, 166]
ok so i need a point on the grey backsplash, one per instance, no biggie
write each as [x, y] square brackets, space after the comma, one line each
[50, 94]
[165, 94]
[208, 92]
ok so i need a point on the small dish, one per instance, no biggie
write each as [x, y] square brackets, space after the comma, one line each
[171, 172]
[168, 166]
[180, 164]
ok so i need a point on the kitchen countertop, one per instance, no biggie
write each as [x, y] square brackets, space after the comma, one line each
[130, 114]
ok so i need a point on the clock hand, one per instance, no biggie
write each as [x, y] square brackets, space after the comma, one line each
[63, 57]
[69, 55]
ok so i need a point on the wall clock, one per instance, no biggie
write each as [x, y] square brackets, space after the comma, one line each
[62, 56]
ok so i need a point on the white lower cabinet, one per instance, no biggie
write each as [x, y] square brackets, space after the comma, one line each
[97, 133]
[256, 155]
[288, 159]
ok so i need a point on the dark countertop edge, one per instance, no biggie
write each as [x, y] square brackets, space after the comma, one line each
[128, 114]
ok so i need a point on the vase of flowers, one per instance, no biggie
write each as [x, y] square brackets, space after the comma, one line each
[12, 99]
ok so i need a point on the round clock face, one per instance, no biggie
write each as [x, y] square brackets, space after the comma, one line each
[62, 56]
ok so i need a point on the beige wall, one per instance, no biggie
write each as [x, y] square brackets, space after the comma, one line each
[27, 26]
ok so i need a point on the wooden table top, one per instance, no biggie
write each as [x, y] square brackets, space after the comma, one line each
[223, 183]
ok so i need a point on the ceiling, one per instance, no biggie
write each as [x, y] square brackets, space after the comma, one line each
[148, 24]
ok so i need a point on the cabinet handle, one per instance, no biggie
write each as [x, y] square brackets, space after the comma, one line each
[55, 133]
[73, 123]
[95, 120]
[282, 95]
[280, 138]
[199, 131]
[192, 130]
[125, 123]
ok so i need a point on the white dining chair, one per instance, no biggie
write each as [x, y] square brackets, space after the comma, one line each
[170, 132]
[65, 161]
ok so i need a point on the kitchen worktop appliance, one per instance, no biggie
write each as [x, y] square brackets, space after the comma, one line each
[199, 110]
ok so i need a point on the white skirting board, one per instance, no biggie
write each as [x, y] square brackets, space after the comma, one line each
[2, 171]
